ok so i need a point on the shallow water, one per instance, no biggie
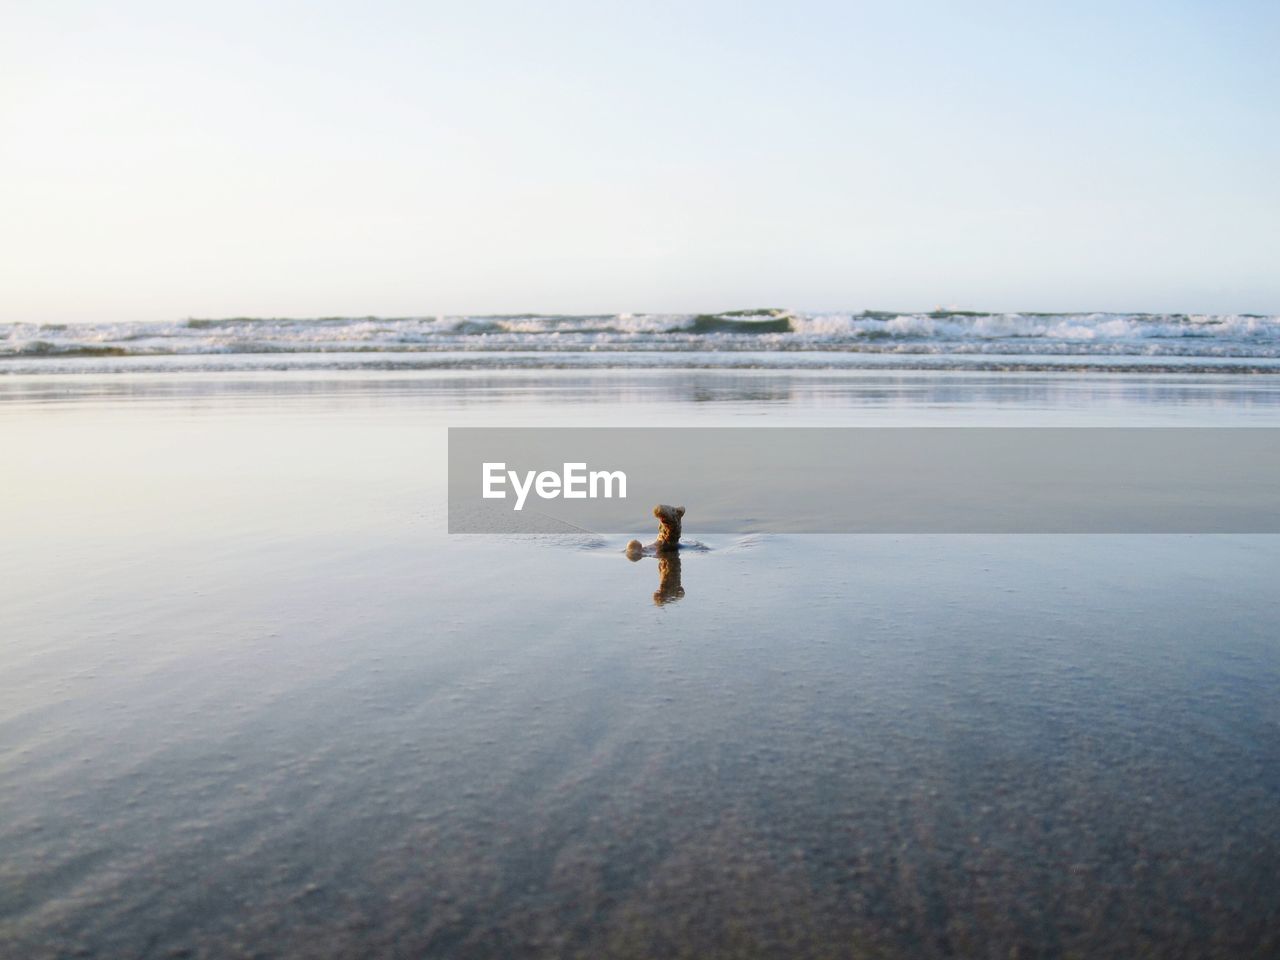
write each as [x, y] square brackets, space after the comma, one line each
[256, 703]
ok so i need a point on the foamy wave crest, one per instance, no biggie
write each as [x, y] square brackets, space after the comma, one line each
[938, 333]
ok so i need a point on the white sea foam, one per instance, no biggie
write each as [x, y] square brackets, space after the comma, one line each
[1174, 337]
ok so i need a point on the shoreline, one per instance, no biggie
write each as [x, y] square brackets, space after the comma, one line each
[789, 360]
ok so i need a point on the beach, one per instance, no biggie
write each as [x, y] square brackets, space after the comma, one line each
[578, 481]
[256, 702]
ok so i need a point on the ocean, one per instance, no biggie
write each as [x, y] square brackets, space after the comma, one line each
[771, 338]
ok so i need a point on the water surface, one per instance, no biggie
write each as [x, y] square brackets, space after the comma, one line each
[254, 702]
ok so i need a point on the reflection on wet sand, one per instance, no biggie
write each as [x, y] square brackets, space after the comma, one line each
[256, 701]
[824, 393]
[670, 589]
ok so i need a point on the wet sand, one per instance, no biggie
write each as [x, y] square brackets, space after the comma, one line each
[256, 703]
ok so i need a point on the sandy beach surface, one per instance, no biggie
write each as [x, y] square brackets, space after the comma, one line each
[254, 702]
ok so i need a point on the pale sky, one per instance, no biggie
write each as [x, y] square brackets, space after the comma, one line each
[164, 160]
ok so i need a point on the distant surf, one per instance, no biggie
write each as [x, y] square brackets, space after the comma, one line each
[761, 337]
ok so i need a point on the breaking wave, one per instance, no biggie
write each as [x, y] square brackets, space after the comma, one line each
[769, 331]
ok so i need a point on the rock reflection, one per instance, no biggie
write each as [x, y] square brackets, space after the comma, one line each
[670, 589]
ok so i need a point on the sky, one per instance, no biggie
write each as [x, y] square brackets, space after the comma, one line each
[169, 160]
